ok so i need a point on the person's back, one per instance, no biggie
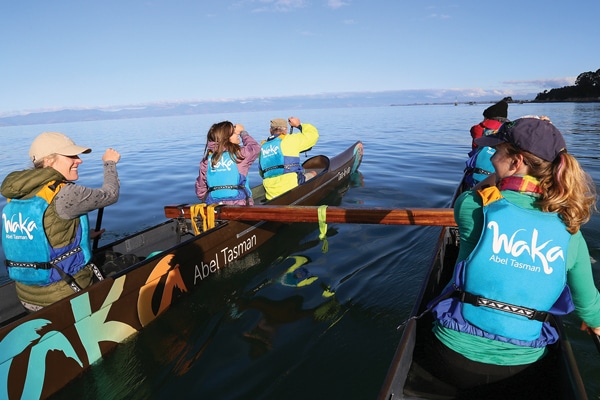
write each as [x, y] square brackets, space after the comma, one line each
[279, 158]
[223, 172]
[522, 256]
[479, 165]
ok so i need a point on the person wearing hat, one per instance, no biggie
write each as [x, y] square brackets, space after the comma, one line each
[479, 165]
[522, 258]
[279, 160]
[493, 116]
[45, 229]
[218, 182]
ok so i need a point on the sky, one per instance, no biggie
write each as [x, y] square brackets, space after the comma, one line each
[57, 54]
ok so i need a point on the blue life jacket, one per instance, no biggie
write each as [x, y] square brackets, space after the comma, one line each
[479, 165]
[272, 161]
[515, 277]
[30, 258]
[224, 181]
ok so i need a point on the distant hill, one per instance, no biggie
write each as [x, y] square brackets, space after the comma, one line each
[318, 101]
[586, 89]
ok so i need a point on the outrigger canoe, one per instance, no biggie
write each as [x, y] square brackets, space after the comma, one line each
[557, 377]
[41, 352]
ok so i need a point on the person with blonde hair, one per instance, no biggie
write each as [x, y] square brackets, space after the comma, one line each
[50, 256]
[522, 259]
[223, 175]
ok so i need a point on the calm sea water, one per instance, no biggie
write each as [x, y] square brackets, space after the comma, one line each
[246, 335]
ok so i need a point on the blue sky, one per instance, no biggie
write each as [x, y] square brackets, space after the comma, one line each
[81, 53]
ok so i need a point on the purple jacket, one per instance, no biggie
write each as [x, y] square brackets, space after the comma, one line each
[250, 152]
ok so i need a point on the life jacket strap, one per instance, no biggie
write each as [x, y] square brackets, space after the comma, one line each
[234, 187]
[53, 264]
[43, 265]
[477, 171]
[479, 301]
[284, 166]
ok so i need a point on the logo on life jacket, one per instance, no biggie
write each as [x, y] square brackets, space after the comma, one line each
[223, 164]
[21, 226]
[269, 151]
[516, 246]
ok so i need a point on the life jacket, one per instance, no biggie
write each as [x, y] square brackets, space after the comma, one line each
[30, 258]
[479, 165]
[224, 181]
[513, 280]
[272, 161]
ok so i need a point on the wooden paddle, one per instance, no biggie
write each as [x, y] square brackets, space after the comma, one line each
[288, 214]
[98, 227]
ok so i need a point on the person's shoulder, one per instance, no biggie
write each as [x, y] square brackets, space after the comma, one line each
[469, 198]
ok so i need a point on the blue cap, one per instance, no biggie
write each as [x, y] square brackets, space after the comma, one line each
[537, 136]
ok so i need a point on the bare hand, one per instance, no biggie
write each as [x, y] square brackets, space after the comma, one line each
[295, 122]
[111, 155]
[585, 327]
[237, 128]
[94, 233]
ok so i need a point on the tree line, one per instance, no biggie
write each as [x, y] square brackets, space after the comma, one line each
[586, 88]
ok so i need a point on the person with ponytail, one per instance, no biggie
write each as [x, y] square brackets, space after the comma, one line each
[223, 175]
[522, 260]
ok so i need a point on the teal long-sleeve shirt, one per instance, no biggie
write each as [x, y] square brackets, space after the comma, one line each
[468, 213]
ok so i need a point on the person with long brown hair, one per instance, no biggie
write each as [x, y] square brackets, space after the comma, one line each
[522, 260]
[223, 175]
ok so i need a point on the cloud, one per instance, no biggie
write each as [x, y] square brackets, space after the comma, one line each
[545, 83]
[438, 16]
[276, 5]
[335, 4]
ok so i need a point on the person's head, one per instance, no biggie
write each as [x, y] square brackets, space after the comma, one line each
[534, 146]
[226, 138]
[535, 139]
[498, 110]
[58, 151]
[278, 126]
[220, 132]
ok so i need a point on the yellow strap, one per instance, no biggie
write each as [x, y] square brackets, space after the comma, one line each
[210, 214]
[198, 210]
[322, 214]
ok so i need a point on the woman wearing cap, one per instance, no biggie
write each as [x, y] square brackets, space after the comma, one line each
[279, 159]
[218, 181]
[45, 230]
[522, 256]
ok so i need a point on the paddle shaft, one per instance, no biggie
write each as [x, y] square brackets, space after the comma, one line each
[288, 214]
[98, 227]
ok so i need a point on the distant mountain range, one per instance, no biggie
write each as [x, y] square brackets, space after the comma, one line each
[318, 101]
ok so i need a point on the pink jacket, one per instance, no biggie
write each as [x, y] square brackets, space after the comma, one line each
[250, 152]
